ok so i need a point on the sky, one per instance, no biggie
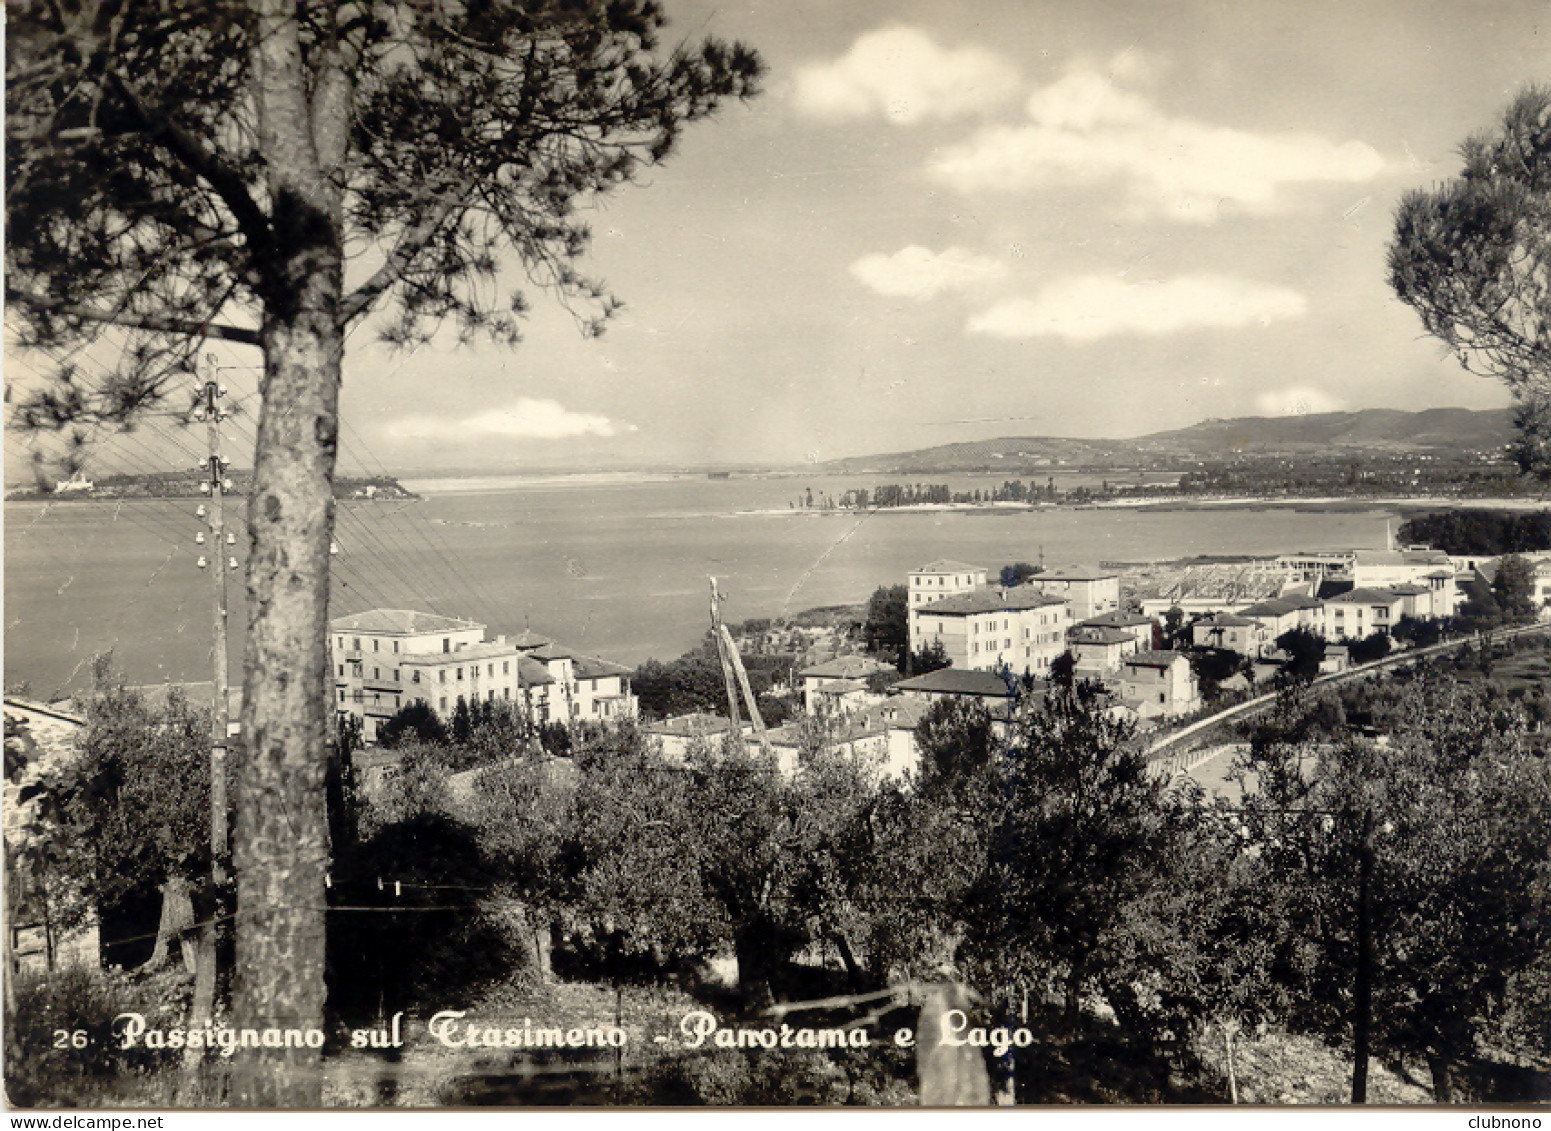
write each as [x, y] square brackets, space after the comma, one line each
[946, 221]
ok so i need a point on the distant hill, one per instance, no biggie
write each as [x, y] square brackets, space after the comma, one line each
[1375, 430]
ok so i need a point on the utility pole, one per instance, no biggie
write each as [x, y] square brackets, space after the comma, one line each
[735, 675]
[1362, 1023]
[727, 674]
[215, 484]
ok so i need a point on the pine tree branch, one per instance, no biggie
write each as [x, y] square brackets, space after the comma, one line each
[151, 323]
[410, 245]
[226, 182]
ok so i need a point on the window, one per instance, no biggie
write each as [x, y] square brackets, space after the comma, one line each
[374, 673]
[395, 645]
[446, 644]
[441, 677]
[492, 669]
[414, 676]
[395, 675]
[506, 667]
[357, 644]
[489, 695]
[376, 644]
[444, 703]
[506, 693]
[460, 675]
[341, 670]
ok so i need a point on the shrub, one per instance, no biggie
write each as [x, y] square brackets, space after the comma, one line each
[43, 1066]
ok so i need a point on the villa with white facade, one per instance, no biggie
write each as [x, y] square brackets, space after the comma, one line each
[386, 659]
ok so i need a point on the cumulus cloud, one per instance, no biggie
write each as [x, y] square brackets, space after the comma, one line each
[527, 418]
[1086, 308]
[1297, 400]
[1085, 129]
[903, 75]
[920, 273]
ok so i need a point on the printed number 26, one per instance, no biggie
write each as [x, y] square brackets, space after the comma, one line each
[70, 1038]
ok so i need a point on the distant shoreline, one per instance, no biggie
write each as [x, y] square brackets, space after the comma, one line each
[1177, 503]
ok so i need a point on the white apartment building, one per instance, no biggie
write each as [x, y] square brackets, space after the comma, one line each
[1090, 592]
[385, 659]
[990, 628]
[1360, 613]
[943, 578]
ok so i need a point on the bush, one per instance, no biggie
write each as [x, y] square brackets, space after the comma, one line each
[43, 1066]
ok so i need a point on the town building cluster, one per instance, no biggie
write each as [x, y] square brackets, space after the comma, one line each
[998, 640]
[388, 659]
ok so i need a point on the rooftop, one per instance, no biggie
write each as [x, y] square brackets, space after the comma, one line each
[528, 639]
[957, 681]
[590, 667]
[400, 622]
[1401, 557]
[1119, 619]
[992, 600]
[846, 667]
[1075, 573]
[948, 565]
[1364, 597]
[1275, 607]
[698, 724]
[1152, 658]
[1098, 634]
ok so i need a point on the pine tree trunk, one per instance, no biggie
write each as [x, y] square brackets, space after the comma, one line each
[281, 839]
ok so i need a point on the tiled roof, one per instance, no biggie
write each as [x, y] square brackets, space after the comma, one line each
[1098, 634]
[696, 725]
[551, 651]
[1364, 597]
[846, 667]
[399, 622]
[1074, 573]
[948, 565]
[1119, 619]
[528, 639]
[590, 667]
[1275, 607]
[992, 600]
[1152, 658]
[957, 681]
[1401, 557]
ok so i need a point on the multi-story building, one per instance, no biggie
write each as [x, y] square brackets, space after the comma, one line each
[840, 684]
[1098, 649]
[1089, 592]
[943, 578]
[1372, 569]
[1314, 566]
[385, 659]
[1232, 633]
[1143, 628]
[991, 628]
[1360, 613]
[1157, 684]
[1281, 615]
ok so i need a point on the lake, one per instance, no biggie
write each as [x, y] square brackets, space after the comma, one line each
[612, 564]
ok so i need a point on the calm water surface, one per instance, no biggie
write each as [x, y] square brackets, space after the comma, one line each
[615, 565]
